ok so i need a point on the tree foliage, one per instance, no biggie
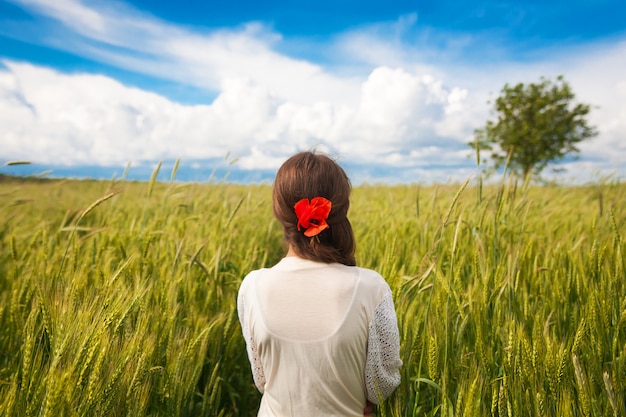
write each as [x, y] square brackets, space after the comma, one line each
[537, 124]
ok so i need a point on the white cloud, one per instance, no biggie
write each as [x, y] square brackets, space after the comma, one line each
[52, 117]
[115, 34]
[399, 111]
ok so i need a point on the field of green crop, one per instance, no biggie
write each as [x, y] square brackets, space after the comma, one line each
[119, 298]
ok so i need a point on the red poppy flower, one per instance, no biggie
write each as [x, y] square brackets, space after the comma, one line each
[312, 215]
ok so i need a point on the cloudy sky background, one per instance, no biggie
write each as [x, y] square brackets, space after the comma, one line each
[394, 91]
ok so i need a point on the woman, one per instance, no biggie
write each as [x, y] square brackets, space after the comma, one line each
[321, 333]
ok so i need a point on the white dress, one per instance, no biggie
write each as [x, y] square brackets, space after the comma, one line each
[321, 338]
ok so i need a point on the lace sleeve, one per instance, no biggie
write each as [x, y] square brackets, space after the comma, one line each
[255, 362]
[382, 364]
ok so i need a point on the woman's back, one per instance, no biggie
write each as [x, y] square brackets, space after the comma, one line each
[309, 326]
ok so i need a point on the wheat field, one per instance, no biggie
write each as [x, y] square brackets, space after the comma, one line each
[118, 298]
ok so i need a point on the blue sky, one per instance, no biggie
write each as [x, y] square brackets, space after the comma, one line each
[393, 89]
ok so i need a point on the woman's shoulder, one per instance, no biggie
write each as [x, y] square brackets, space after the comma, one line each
[372, 278]
[249, 279]
[368, 273]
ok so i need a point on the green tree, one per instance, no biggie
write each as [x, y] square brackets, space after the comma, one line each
[537, 124]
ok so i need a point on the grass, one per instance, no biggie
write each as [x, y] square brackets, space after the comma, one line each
[118, 298]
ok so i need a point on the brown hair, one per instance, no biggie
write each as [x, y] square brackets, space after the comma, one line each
[309, 175]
